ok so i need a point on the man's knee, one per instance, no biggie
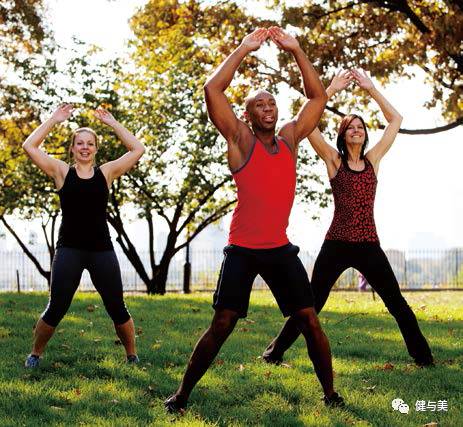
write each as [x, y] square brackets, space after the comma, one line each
[223, 322]
[396, 304]
[307, 320]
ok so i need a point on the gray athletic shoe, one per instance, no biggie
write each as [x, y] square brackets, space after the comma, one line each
[32, 361]
[132, 359]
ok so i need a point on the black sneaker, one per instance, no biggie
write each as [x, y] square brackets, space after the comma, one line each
[132, 359]
[269, 358]
[32, 361]
[175, 404]
[334, 401]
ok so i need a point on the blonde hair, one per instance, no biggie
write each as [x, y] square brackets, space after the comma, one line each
[73, 138]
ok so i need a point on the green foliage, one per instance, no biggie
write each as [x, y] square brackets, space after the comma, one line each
[178, 45]
[184, 170]
[388, 38]
[83, 378]
[27, 56]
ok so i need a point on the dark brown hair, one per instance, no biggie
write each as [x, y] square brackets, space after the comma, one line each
[341, 140]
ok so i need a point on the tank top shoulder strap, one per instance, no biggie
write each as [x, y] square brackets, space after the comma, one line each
[246, 161]
[283, 140]
[71, 175]
[343, 164]
[369, 166]
[68, 177]
[100, 175]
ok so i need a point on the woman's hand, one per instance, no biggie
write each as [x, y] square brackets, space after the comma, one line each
[105, 116]
[62, 113]
[341, 81]
[362, 79]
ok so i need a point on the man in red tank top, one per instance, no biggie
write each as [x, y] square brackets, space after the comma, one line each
[264, 170]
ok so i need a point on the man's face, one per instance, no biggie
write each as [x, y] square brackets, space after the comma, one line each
[262, 111]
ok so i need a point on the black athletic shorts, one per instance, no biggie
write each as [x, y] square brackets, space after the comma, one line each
[281, 269]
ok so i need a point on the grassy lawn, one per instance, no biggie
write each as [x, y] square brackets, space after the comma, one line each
[83, 379]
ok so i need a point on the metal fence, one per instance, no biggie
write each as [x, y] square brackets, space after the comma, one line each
[425, 269]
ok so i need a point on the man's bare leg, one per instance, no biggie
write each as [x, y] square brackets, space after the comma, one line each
[204, 353]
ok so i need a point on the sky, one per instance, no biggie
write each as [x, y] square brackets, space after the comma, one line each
[419, 202]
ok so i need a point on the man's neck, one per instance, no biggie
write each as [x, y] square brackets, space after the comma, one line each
[267, 138]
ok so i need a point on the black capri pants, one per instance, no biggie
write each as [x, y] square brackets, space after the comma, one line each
[370, 260]
[66, 272]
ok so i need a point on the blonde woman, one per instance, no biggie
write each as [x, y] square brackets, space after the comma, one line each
[84, 241]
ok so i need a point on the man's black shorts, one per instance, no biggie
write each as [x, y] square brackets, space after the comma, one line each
[281, 269]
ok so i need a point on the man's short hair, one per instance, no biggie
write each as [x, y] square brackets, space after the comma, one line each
[252, 95]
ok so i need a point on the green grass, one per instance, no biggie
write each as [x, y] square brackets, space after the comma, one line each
[83, 379]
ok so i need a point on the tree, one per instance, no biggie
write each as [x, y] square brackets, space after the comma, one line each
[183, 178]
[390, 38]
[27, 57]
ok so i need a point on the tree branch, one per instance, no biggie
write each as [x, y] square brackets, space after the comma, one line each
[124, 241]
[330, 12]
[142, 188]
[219, 213]
[149, 219]
[29, 254]
[201, 202]
[428, 131]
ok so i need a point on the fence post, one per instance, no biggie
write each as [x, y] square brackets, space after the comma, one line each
[405, 270]
[456, 266]
[17, 281]
[187, 271]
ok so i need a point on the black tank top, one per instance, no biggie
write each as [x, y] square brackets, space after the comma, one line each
[83, 206]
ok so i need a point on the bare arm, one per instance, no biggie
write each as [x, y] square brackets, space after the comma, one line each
[218, 107]
[54, 168]
[309, 114]
[392, 116]
[115, 168]
[326, 152]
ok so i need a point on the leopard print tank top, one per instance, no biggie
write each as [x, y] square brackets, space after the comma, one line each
[354, 198]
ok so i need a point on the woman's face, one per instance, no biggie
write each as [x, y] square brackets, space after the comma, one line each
[355, 133]
[84, 147]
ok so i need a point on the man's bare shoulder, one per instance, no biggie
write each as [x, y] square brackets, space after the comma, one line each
[244, 136]
[287, 132]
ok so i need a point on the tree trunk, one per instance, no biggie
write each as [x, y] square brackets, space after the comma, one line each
[160, 279]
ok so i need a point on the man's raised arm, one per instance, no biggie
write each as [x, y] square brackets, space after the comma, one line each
[218, 107]
[309, 114]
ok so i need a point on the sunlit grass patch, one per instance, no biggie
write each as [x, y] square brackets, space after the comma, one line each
[83, 378]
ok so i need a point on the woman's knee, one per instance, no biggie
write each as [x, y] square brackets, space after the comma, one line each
[118, 312]
[52, 315]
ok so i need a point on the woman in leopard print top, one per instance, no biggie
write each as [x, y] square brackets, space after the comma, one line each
[352, 240]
